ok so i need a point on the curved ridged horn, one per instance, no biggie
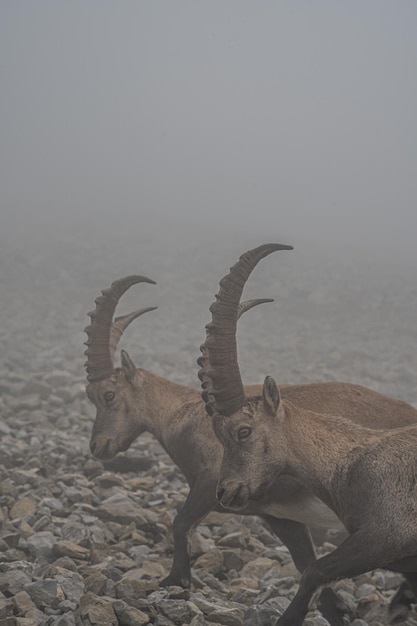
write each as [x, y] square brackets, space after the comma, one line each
[249, 304]
[222, 385]
[204, 362]
[99, 364]
[120, 324]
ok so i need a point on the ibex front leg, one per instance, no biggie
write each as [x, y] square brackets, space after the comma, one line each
[355, 556]
[200, 501]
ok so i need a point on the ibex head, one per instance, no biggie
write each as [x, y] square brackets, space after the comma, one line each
[241, 424]
[115, 392]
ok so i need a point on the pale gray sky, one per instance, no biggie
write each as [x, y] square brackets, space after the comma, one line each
[296, 117]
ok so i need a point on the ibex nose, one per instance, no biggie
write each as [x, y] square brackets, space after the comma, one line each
[100, 448]
[220, 493]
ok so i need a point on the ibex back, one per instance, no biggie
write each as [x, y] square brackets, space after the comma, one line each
[367, 478]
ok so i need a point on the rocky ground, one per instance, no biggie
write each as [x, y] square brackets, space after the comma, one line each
[86, 543]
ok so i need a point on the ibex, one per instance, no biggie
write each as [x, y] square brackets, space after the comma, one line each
[130, 401]
[367, 478]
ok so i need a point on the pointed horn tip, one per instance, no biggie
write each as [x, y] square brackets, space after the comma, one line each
[132, 279]
[250, 304]
[272, 247]
[134, 314]
[263, 250]
[281, 246]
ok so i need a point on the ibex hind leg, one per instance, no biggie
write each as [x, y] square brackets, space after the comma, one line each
[353, 557]
[406, 596]
[296, 537]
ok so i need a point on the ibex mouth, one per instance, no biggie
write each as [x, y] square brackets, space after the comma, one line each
[235, 499]
[102, 449]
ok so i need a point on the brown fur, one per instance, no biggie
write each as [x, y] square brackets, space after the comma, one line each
[329, 468]
[130, 401]
[368, 478]
[175, 415]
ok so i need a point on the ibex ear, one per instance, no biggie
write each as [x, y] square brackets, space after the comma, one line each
[128, 366]
[271, 396]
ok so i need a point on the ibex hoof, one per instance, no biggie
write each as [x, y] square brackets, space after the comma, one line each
[401, 603]
[398, 614]
[332, 607]
[175, 581]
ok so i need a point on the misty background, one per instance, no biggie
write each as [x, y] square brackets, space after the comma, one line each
[167, 137]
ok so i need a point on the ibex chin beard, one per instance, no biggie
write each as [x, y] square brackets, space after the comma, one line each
[234, 497]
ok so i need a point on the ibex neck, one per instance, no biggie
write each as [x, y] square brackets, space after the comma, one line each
[320, 446]
[164, 400]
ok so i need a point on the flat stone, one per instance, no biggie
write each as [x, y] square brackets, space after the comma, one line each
[25, 506]
[129, 615]
[40, 546]
[13, 581]
[45, 593]
[71, 549]
[96, 611]
[210, 562]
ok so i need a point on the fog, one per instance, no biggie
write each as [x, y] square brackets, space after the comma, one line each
[292, 120]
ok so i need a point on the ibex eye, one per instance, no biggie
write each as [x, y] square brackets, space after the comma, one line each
[244, 432]
[109, 396]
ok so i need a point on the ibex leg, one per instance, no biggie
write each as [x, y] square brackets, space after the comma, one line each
[200, 501]
[296, 537]
[353, 557]
[403, 599]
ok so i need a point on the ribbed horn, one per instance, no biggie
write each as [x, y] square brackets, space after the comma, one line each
[203, 360]
[120, 324]
[99, 364]
[220, 376]
[249, 304]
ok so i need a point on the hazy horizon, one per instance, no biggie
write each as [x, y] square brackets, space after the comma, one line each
[277, 117]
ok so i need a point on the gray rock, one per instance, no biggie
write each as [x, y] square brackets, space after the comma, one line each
[67, 619]
[121, 509]
[264, 614]
[72, 584]
[13, 581]
[95, 611]
[46, 593]
[97, 583]
[6, 607]
[40, 546]
[131, 589]
[58, 378]
[176, 610]
[129, 615]
[211, 562]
